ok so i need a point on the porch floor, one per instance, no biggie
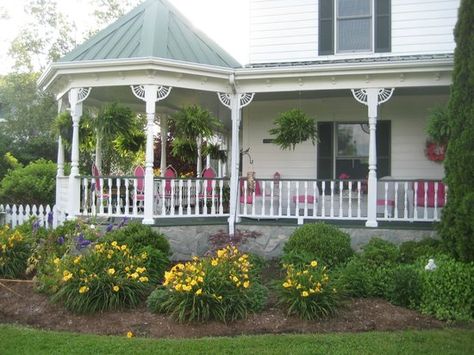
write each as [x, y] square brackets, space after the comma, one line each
[200, 221]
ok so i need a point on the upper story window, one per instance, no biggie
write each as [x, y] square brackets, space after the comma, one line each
[352, 26]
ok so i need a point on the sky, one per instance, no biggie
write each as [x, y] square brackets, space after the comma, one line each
[224, 21]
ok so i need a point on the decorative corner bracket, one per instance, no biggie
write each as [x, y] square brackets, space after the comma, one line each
[383, 95]
[244, 99]
[78, 95]
[161, 93]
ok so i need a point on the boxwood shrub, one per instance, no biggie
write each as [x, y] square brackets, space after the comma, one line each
[319, 241]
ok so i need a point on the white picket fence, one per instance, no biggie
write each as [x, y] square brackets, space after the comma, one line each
[14, 215]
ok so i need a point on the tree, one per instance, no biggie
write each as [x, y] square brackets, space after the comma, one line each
[28, 115]
[457, 222]
[45, 38]
[192, 125]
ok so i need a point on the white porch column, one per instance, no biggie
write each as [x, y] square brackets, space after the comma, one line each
[164, 139]
[151, 94]
[235, 102]
[76, 97]
[372, 98]
[60, 170]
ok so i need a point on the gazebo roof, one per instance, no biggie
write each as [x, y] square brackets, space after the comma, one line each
[153, 29]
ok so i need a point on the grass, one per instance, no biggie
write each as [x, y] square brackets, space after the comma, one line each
[21, 340]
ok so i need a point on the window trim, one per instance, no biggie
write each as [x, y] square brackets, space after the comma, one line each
[337, 51]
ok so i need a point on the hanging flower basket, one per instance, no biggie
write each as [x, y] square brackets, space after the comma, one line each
[435, 152]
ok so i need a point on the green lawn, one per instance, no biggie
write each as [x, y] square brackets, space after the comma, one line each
[20, 340]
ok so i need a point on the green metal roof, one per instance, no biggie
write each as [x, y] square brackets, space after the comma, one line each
[153, 29]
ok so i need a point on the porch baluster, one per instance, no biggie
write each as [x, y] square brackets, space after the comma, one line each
[272, 187]
[358, 198]
[323, 199]
[332, 200]
[297, 211]
[173, 190]
[425, 210]
[109, 200]
[188, 209]
[196, 187]
[316, 196]
[127, 202]
[135, 200]
[280, 195]
[221, 196]
[405, 201]
[415, 194]
[349, 212]
[118, 201]
[180, 208]
[253, 200]
[263, 197]
[341, 185]
[305, 199]
[85, 206]
[288, 204]
[213, 197]
[101, 196]
[395, 208]
[245, 194]
[385, 211]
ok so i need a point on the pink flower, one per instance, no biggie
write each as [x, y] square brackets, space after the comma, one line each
[344, 176]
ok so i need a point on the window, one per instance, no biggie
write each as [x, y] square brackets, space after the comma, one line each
[351, 26]
[344, 148]
[354, 25]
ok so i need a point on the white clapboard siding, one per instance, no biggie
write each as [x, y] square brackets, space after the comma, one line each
[287, 30]
[408, 115]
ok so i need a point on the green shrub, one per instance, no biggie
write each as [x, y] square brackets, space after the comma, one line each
[308, 291]
[379, 252]
[407, 286]
[322, 242]
[108, 277]
[448, 291]
[410, 251]
[14, 253]
[360, 278]
[218, 287]
[33, 184]
[137, 235]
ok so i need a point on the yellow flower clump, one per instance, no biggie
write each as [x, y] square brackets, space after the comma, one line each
[9, 240]
[306, 281]
[190, 277]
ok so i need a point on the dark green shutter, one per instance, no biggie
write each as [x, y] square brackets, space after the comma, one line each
[383, 26]
[326, 27]
[384, 139]
[325, 150]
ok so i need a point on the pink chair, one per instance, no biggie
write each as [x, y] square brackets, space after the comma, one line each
[208, 174]
[170, 174]
[139, 173]
[96, 185]
[435, 199]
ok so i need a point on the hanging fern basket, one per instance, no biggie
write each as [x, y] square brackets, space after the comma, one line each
[293, 127]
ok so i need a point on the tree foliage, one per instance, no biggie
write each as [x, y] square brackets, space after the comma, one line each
[28, 114]
[457, 223]
[293, 127]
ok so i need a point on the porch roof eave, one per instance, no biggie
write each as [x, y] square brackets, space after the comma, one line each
[59, 77]
[333, 76]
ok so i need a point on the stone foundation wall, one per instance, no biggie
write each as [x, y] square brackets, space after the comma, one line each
[189, 241]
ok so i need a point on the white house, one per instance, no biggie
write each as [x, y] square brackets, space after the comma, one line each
[369, 71]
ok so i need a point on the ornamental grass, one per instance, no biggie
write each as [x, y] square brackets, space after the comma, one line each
[108, 277]
[14, 253]
[308, 291]
[218, 287]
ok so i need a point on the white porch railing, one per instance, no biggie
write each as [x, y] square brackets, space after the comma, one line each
[121, 197]
[62, 185]
[341, 199]
[15, 215]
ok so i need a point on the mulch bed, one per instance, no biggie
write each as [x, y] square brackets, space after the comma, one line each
[21, 304]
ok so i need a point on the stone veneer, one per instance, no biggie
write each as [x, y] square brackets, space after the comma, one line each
[189, 241]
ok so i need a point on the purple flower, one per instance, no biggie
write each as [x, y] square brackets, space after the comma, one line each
[36, 225]
[82, 242]
[109, 228]
[60, 240]
[124, 221]
[50, 218]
